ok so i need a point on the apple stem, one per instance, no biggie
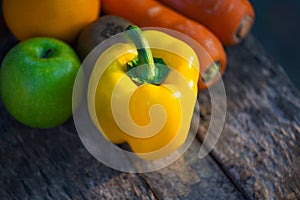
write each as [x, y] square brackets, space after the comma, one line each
[47, 53]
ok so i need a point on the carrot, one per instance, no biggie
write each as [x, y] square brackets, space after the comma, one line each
[230, 20]
[151, 13]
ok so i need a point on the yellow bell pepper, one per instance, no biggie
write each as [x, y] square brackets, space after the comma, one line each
[145, 102]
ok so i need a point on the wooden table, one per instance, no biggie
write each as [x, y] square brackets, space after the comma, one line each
[256, 157]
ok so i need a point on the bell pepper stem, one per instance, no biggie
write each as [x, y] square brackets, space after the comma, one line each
[144, 69]
[143, 49]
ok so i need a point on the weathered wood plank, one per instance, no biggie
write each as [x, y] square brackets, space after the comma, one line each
[53, 164]
[259, 149]
[36, 164]
[259, 146]
[116, 187]
[192, 178]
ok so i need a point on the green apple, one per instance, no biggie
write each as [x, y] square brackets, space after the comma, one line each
[98, 31]
[36, 80]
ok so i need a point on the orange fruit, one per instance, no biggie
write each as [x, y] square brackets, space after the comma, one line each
[62, 19]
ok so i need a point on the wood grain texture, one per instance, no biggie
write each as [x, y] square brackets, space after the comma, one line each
[259, 146]
[53, 164]
[192, 178]
[258, 153]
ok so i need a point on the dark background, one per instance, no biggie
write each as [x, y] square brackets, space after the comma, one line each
[277, 27]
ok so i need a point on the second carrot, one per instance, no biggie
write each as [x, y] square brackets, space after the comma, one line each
[151, 13]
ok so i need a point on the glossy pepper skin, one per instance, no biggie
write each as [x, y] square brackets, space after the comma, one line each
[154, 119]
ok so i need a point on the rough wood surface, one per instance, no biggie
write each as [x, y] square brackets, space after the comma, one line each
[258, 153]
[192, 178]
[259, 148]
[53, 164]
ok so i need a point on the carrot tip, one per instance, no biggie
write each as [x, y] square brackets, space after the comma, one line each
[244, 27]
